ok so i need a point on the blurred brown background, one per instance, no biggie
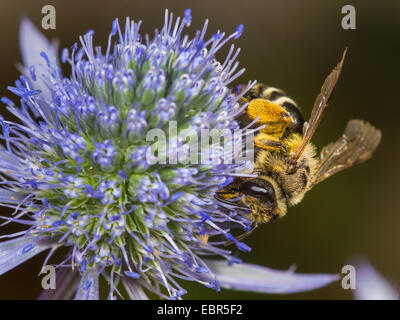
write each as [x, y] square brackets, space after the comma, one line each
[293, 45]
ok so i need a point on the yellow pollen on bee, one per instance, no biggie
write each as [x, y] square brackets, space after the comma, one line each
[272, 114]
[12, 198]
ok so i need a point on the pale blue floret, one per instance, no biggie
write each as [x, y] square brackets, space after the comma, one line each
[78, 171]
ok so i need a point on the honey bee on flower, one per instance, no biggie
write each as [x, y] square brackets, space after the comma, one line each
[75, 167]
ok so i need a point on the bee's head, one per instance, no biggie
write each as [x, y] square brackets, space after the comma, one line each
[262, 196]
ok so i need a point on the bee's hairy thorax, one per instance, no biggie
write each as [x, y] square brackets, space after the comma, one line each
[273, 165]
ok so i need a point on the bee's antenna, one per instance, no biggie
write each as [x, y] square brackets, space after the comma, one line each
[229, 203]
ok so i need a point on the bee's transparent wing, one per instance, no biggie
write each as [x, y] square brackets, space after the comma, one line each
[356, 145]
[320, 105]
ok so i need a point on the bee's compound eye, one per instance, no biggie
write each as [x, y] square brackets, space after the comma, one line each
[260, 189]
[255, 190]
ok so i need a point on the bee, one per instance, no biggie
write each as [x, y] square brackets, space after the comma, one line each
[280, 115]
[286, 163]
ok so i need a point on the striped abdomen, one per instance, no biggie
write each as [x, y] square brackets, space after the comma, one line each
[278, 97]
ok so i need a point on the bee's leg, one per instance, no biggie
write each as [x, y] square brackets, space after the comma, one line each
[243, 235]
[247, 233]
[267, 142]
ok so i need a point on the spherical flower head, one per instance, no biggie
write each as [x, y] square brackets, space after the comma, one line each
[80, 171]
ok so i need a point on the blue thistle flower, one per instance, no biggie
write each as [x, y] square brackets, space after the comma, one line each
[79, 172]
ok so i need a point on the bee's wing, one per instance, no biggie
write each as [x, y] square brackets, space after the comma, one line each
[356, 145]
[320, 105]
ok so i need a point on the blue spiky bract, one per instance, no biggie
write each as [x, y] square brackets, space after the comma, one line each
[76, 165]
